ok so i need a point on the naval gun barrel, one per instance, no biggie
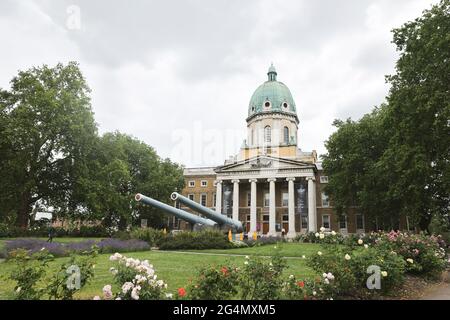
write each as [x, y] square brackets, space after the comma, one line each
[192, 218]
[211, 214]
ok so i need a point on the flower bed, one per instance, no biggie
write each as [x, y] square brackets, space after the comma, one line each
[63, 249]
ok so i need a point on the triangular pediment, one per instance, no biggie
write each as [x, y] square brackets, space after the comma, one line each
[264, 163]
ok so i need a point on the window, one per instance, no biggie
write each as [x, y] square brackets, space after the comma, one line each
[191, 184]
[267, 104]
[326, 221]
[286, 135]
[284, 199]
[267, 134]
[249, 199]
[266, 199]
[304, 222]
[285, 218]
[285, 105]
[214, 200]
[343, 222]
[266, 218]
[359, 222]
[323, 179]
[191, 197]
[203, 199]
[204, 183]
[325, 200]
[248, 218]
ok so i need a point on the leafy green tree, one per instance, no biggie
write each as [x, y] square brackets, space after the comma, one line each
[418, 153]
[46, 130]
[120, 167]
[396, 161]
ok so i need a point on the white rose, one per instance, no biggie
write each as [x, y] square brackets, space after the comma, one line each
[317, 234]
[314, 293]
[410, 260]
[169, 295]
[319, 253]
[333, 233]
[366, 246]
[384, 273]
[347, 257]
[246, 262]
[326, 281]
[303, 257]
[291, 276]
[324, 275]
[322, 236]
[330, 276]
[322, 229]
[97, 298]
[360, 241]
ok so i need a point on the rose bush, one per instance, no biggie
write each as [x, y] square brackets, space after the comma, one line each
[215, 283]
[137, 280]
[350, 269]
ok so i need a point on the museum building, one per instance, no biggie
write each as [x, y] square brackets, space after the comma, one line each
[271, 185]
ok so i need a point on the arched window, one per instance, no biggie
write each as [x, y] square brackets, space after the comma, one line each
[286, 135]
[267, 134]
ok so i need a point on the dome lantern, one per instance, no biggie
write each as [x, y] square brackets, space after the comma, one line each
[272, 73]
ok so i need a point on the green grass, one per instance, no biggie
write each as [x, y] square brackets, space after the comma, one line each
[287, 250]
[175, 268]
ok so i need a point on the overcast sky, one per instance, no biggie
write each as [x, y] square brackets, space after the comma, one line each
[179, 74]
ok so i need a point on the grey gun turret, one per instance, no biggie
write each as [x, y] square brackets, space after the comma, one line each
[195, 220]
[221, 219]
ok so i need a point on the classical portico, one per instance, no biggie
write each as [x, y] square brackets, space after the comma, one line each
[278, 204]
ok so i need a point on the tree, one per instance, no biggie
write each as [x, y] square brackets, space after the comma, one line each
[47, 129]
[396, 161]
[120, 167]
[419, 112]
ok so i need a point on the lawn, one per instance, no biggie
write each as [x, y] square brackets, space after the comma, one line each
[177, 268]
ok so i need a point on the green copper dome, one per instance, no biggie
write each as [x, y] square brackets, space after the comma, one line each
[271, 96]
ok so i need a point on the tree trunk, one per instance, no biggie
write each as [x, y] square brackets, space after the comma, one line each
[24, 212]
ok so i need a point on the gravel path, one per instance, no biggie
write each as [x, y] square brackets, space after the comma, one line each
[440, 292]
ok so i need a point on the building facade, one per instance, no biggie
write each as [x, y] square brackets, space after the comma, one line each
[271, 185]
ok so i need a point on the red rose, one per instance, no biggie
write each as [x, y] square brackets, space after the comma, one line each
[301, 284]
[181, 292]
[224, 270]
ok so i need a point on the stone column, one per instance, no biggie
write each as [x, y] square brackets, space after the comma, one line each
[235, 199]
[219, 196]
[252, 206]
[312, 226]
[291, 208]
[272, 212]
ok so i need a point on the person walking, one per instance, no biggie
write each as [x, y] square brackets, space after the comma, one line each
[51, 234]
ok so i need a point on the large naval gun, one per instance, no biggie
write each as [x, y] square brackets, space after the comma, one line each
[216, 220]
[223, 221]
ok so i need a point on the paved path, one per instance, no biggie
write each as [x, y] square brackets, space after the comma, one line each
[440, 292]
[220, 254]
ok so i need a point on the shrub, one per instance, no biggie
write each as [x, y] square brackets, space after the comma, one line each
[424, 255]
[28, 272]
[309, 289]
[137, 280]
[260, 280]
[205, 239]
[63, 249]
[350, 267]
[72, 276]
[215, 283]
[321, 237]
[152, 236]
[262, 241]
